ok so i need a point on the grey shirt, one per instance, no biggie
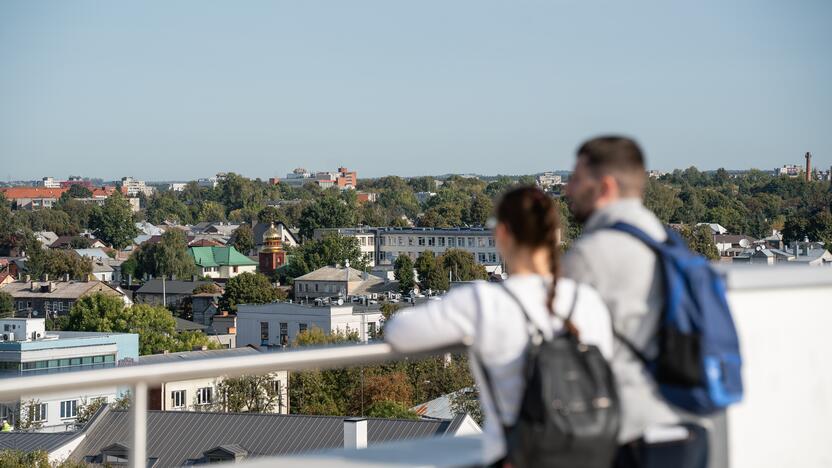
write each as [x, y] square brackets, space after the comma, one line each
[626, 274]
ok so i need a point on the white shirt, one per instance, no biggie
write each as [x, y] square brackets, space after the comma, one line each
[487, 317]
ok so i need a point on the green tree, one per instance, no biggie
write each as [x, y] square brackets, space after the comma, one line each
[57, 263]
[79, 191]
[166, 206]
[478, 212]
[315, 336]
[246, 394]
[10, 458]
[403, 272]
[6, 305]
[211, 211]
[390, 410]
[243, 238]
[329, 250]
[155, 325]
[247, 288]
[168, 257]
[432, 275]
[700, 239]
[113, 222]
[462, 266]
[330, 211]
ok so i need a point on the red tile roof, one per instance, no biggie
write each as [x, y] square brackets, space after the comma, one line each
[14, 193]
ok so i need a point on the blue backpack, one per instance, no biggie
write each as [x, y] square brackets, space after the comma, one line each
[698, 367]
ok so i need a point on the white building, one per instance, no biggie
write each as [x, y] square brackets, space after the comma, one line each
[548, 180]
[50, 182]
[203, 393]
[280, 322]
[392, 242]
[133, 187]
[177, 186]
[26, 348]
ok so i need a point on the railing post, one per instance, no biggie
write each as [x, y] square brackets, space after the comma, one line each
[138, 419]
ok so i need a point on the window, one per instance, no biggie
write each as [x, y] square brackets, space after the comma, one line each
[410, 240]
[491, 242]
[236, 268]
[481, 242]
[371, 241]
[492, 258]
[38, 412]
[421, 241]
[264, 333]
[301, 327]
[372, 330]
[471, 242]
[451, 242]
[284, 333]
[69, 409]
[401, 240]
[204, 395]
[431, 241]
[277, 388]
[178, 398]
[482, 257]
[441, 242]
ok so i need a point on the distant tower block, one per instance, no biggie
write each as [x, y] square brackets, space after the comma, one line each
[808, 166]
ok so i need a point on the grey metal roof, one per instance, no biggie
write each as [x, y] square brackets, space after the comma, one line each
[31, 441]
[154, 286]
[191, 355]
[179, 437]
[187, 325]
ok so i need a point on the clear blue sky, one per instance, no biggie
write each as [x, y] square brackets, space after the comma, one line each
[183, 89]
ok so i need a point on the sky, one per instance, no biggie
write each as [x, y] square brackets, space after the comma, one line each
[177, 90]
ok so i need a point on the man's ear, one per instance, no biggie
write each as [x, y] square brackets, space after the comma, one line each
[610, 190]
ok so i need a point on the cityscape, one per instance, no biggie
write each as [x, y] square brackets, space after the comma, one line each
[415, 234]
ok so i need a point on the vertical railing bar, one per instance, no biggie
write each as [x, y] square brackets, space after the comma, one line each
[138, 423]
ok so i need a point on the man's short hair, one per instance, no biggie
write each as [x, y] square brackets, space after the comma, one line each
[619, 157]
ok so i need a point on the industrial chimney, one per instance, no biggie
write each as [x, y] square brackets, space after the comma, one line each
[808, 166]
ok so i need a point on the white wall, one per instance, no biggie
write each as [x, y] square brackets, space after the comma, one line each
[786, 417]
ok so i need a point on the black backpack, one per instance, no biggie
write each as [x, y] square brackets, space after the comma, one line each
[570, 414]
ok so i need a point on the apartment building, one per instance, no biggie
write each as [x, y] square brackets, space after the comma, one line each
[279, 323]
[42, 298]
[50, 182]
[32, 198]
[26, 348]
[203, 393]
[133, 187]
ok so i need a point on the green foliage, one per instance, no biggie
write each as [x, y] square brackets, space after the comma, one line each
[168, 257]
[79, 191]
[390, 409]
[243, 239]
[330, 250]
[245, 394]
[38, 459]
[247, 288]
[155, 325]
[113, 222]
[57, 263]
[403, 272]
[211, 211]
[315, 337]
[165, 206]
[700, 239]
[467, 401]
[330, 211]
[432, 274]
[462, 265]
[6, 305]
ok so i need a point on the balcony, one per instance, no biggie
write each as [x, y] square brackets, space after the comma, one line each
[782, 315]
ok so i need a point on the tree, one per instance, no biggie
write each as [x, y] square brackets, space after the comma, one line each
[480, 209]
[243, 238]
[166, 206]
[27, 417]
[462, 266]
[211, 211]
[168, 257]
[88, 408]
[155, 325]
[700, 239]
[10, 458]
[247, 288]
[432, 275]
[467, 401]
[113, 222]
[382, 386]
[315, 337]
[330, 211]
[403, 272]
[246, 394]
[79, 191]
[390, 410]
[330, 250]
[6, 305]
[57, 263]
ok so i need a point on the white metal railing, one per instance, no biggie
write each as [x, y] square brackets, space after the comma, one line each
[139, 377]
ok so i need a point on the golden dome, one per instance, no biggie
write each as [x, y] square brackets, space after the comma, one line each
[272, 240]
[271, 233]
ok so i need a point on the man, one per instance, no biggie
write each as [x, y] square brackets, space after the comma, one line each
[606, 187]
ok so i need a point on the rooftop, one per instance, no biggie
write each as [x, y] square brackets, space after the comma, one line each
[59, 289]
[219, 256]
[154, 286]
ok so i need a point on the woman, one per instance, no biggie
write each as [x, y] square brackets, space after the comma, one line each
[487, 317]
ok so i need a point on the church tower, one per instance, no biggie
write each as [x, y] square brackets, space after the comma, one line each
[272, 256]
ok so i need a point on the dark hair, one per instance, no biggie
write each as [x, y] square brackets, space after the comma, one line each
[533, 219]
[616, 156]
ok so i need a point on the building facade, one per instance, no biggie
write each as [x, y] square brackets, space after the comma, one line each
[278, 323]
[271, 255]
[27, 348]
[221, 262]
[392, 242]
[52, 298]
[366, 239]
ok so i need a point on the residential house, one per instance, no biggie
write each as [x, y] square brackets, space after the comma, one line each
[548, 180]
[278, 323]
[202, 393]
[46, 238]
[223, 338]
[103, 267]
[53, 298]
[69, 242]
[334, 282]
[729, 245]
[221, 262]
[32, 198]
[26, 348]
[170, 293]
